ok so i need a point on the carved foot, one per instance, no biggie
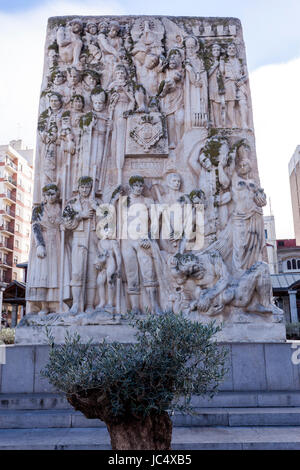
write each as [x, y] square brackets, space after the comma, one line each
[259, 308]
[74, 309]
[89, 310]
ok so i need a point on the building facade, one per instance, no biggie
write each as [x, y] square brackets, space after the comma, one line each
[294, 172]
[16, 189]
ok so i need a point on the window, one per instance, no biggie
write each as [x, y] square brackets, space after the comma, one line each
[294, 264]
[266, 234]
[16, 260]
[17, 244]
[14, 276]
[280, 243]
[18, 211]
[289, 264]
[18, 229]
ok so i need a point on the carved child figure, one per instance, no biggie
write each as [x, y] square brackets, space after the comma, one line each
[108, 265]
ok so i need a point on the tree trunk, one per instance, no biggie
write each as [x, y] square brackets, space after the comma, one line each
[153, 433]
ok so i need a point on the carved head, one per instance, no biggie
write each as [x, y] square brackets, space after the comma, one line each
[151, 61]
[187, 263]
[174, 181]
[232, 50]
[175, 59]
[243, 167]
[92, 28]
[59, 77]
[216, 50]
[73, 76]
[85, 184]
[98, 97]
[103, 27]
[191, 46]
[120, 73]
[91, 79]
[76, 26]
[136, 184]
[77, 102]
[50, 193]
[114, 29]
[52, 57]
[55, 101]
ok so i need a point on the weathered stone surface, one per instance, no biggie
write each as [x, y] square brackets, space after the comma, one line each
[141, 118]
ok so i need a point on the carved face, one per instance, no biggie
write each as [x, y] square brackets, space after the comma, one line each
[137, 188]
[85, 189]
[98, 102]
[120, 74]
[244, 167]
[206, 163]
[51, 196]
[102, 27]
[59, 79]
[216, 50]
[151, 61]
[114, 30]
[92, 29]
[174, 181]
[76, 27]
[73, 77]
[190, 47]
[90, 81]
[77, 104]
[231, 50]
[174, 61]
[52, 58]
[55, 102]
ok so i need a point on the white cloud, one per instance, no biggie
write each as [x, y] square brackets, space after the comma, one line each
[22, 38]
[276, 98]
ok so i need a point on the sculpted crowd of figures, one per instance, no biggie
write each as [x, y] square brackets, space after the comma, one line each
[148, 111]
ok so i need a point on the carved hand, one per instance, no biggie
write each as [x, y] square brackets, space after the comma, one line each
[41, 251]
[87, 214]
[145, 243]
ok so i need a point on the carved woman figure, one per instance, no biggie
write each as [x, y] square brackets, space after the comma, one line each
[235, 82]
[196, 86]
[172, 104]
[44, 276]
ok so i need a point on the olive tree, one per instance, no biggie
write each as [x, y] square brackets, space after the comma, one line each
[134, 388]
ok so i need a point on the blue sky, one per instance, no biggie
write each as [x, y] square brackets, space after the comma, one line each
[272, 38]
[271, 27]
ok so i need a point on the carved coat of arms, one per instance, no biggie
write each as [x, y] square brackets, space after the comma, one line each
[144, 132]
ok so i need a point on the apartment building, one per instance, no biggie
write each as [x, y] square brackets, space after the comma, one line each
[16, 189]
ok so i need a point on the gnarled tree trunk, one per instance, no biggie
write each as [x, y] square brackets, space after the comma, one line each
[151, 433]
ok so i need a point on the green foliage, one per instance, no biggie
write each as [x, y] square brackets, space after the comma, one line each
[172, 360]
[7, 336]
[293, 331]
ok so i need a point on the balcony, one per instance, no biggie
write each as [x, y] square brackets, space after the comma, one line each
[5, 247]
[9, 213]
[8, 196]
[6, 229]
[4, 263]
[10, 182]
[10, 166]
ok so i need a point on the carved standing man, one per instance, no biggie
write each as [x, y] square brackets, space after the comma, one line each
[137, 249]
[69, 42]
[79, 217]
[235, 83]
[216, 86]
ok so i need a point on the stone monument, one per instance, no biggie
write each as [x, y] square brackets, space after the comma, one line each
[147, 194]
